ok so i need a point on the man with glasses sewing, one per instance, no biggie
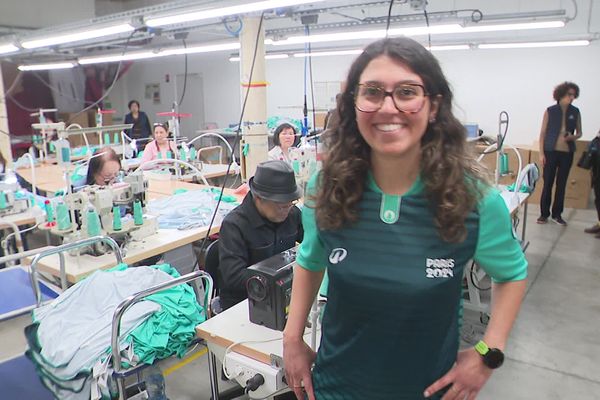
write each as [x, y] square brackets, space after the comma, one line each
[266, 223]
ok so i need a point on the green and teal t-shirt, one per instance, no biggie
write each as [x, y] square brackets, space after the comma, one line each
[391, 325]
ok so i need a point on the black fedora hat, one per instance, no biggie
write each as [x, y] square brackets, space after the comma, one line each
[274, 180]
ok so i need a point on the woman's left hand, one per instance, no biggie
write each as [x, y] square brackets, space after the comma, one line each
[466, 377]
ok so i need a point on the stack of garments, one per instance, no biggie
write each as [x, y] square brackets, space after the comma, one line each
[69, 340]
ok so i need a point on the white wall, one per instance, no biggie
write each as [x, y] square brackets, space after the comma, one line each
[485, 82]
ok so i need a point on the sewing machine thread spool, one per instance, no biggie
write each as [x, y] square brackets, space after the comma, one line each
[116, 138]
[138, 215]
[192, 153]
[62, 217]
[182, 154]
[503, 164]
[169, 154]
[117, 226]
[93, 222]
[3, 203]
[106, 138]
[159, 156]
[49, 211]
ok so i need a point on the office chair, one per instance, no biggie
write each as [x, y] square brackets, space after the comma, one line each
[211, 266]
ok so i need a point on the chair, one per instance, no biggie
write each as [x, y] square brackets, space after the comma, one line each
[211, 155]
[211, 266]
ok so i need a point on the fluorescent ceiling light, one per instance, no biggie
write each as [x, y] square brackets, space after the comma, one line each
[565, 43]
[187, 16]
[40, 67]
[267, 57]
[414, 31]
[370, 34]
[513, 27]
[77, 36]
[108, 58]
[449, 47]
[8, 48]
[201, 49]
[329, 53]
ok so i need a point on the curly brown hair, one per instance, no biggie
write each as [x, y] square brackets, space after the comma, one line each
[450, 173]
[561, 90]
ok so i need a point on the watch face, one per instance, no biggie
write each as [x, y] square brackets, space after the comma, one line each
[494, 358]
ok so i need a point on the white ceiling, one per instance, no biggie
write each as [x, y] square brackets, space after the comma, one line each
[583, 20]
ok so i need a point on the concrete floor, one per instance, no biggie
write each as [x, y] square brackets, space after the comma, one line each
[554, 346]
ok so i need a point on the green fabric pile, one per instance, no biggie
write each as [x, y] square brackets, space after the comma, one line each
[168, 331]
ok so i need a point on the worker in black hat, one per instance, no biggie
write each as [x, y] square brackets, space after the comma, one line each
[266, 223]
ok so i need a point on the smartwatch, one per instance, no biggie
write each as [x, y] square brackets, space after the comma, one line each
[492, 357]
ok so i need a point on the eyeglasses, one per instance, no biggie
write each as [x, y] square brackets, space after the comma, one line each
[284, 206]
[407, 98]
[161, 124]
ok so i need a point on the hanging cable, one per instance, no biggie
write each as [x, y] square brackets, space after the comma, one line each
[237, 137]
[305, 104]
[312, 85]
[185, 74]
[427, 23]
[114, 81]
[389, 18]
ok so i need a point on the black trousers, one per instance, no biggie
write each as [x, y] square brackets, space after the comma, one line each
[558, 165]
[596, 183]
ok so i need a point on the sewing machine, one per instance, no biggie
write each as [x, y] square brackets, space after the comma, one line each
[115, 210]
[12, 200]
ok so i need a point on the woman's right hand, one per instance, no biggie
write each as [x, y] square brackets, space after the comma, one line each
[298, 359]
[542, 159]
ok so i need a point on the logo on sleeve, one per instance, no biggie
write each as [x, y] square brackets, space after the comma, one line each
[337, 255]
[439, 268]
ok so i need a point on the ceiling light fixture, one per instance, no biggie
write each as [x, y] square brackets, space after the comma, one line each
[41, 67]
[201, 49]
[329, 53]
[413, 31]
[267, 57]
[108, 58]
[527, 45]
[187, 16]
[8, 48]
[449, 47]
[513, 27]
[77, 36]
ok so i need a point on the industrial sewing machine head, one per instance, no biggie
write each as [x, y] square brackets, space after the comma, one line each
[12, 199]
[115, 210]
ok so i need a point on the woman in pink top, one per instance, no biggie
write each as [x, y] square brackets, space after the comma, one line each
[161, 144]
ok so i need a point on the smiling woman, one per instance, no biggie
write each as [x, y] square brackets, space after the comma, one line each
[398, 210]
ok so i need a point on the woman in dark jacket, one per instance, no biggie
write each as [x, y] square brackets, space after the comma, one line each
[141, 124]
[594, 149]
[561, 127]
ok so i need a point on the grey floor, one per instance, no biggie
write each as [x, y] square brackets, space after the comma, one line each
[554, 348]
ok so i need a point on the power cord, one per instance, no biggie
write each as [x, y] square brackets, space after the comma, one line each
[236, 141]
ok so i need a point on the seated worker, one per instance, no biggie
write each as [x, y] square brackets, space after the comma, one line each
[160, 145]
[284, 138]
[266, 223]
[103, 167]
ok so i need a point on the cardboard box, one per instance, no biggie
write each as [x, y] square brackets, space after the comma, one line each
[578, 188]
